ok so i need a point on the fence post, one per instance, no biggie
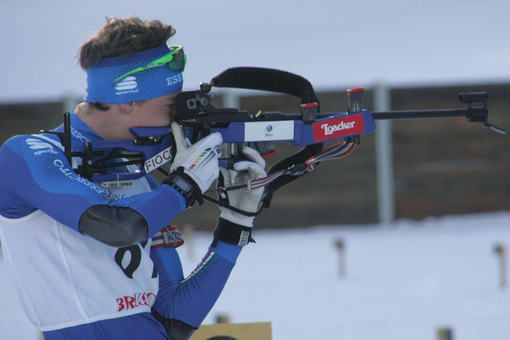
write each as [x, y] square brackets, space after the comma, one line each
[500, 251]
[231, 99]
[444, 334]
[384, 158]
[69, 102]
[222, 318]
[340, 246]
[188, 232]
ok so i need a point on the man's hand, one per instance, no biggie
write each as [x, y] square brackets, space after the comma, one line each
[243, 199]
[195, 167]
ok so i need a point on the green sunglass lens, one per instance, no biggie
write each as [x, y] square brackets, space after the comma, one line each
[178, 61]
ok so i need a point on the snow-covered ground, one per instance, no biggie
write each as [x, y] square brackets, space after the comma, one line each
[400, 282]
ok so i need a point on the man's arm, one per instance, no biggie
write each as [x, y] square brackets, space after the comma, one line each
[183, 303]
[40, 178]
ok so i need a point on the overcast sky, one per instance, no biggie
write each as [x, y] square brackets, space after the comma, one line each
[332, 43]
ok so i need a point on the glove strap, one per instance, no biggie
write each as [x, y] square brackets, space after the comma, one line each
[168, 237]
[231, 233]
[185, 185]
[234, 209]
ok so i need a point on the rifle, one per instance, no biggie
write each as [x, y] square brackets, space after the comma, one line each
[199, 117]
[309, 128]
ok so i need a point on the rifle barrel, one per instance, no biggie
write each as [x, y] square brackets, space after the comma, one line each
[418, 114]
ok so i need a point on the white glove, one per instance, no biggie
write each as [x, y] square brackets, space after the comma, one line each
[198, 161]
[243, 199]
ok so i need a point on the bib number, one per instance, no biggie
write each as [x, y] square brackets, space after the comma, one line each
[135, 254]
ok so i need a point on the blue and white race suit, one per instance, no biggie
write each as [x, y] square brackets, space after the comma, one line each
[72, 286]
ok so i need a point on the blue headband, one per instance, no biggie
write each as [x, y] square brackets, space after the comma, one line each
[148, 84]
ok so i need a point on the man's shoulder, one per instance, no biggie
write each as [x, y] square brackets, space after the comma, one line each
[16, 142]
[28, 144]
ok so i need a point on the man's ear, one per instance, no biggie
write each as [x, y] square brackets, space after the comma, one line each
[127, 107]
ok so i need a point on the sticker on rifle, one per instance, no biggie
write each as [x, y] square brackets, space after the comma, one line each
[338, 127]
[269, 131]
[161, 158]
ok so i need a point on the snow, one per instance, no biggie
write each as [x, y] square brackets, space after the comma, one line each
[402, 281]
[333, 43]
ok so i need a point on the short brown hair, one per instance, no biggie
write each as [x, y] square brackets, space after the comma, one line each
[123, 37]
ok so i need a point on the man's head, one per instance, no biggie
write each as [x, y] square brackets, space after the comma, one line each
[133, 70]
[123, 38]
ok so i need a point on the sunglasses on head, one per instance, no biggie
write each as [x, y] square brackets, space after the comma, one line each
[176, 61]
